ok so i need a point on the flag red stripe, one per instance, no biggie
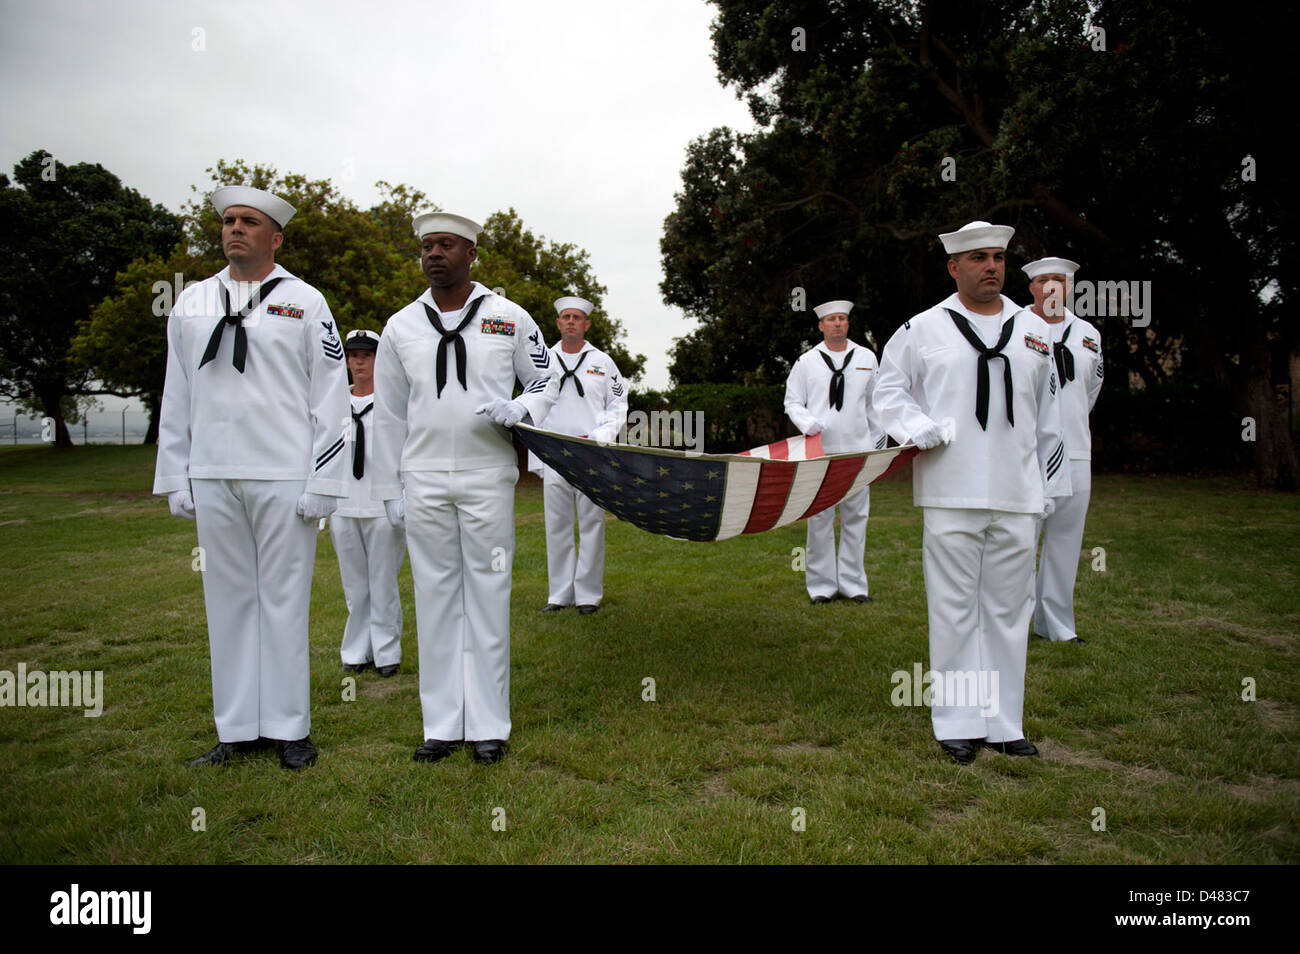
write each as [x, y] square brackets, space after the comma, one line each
[774, 480]
[838, 479]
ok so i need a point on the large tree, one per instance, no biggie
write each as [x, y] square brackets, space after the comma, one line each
[65, 233]
[1129, 136]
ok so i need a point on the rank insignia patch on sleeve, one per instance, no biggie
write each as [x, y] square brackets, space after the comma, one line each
[1092, 345]
[497, 326]
[284, 311]
[330, 343]
[1035, 343]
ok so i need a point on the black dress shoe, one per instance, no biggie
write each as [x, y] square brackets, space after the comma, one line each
[961, 751]
[223, 752]
[357, 667]
[219, 754]
[552, 608]
[586, 609]
[389, 672]
[1078, 639]
[434, 750]
[862, 598]
[297, 754]
[489, 750]
[1021, 747]
[819, 600]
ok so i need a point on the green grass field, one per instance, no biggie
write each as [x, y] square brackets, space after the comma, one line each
[763, 703]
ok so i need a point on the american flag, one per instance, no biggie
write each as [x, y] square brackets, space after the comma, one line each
[711, 496]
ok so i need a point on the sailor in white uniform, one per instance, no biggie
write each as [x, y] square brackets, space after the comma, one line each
[251, 441]
[829, 392]
[592, 403]
[1076, 349]
[971, 381]
[444, 465]
[369, 548]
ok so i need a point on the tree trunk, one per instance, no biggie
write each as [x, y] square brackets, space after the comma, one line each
[53, 406]
[1275, 460]
[153, 402]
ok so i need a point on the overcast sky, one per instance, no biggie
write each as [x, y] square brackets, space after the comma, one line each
[575, 113]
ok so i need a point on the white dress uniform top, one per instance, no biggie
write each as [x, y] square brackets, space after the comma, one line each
[249, 444]
[456, 472]
[982, 495]
[592, 403]
[1063, 529]
[849, 427]
[370, 552]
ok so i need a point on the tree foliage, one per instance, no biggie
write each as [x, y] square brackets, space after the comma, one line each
[1119, 134]
[65, 233]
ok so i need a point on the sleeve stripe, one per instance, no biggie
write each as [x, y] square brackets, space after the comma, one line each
[329, 454]
[536, 385]
[1054, 462]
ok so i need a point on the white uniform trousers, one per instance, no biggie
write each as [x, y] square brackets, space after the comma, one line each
[825, 574]
[370, 551]
[978, 570]
[258, 556]
[1059, 564]
[574, 577]
[460, 532]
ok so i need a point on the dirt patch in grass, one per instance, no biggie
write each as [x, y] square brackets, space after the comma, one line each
[715, 786]
[1280, 640]
[1056, 753]
[1263, 788]
[1276, 715]
[804, 747]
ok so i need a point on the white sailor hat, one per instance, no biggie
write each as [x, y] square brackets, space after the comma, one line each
[274, 206]
[426, 223]
[360, 339]
[572, 301]
[1050, 266]
[833, 308]
[975, 235]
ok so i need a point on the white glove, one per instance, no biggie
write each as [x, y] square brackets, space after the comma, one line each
[505, 413]
[814, 428]
[931, 435]
[396, 510]
[311, 507]
[1049, 507]
[181, 503]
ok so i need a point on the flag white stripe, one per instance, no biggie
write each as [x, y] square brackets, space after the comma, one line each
[807, 481]
[742, 484]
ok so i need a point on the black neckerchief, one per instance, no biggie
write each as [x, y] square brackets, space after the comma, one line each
[986, 354]
[570, 372]
[359, 442]
[1064, 358]
[451, 337]
[837, 378]
[236, 319]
